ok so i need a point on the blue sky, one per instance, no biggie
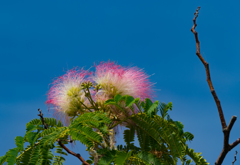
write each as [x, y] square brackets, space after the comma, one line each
[40, 40]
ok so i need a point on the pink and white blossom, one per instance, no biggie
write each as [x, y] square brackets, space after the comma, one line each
[66, 90]
[115, 79]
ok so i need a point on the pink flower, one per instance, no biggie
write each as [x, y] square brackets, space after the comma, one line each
[66, 94]
[115, 79]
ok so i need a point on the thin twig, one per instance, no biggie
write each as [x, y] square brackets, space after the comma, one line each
[226, 129]
[206, 65]
[234, 144]
[43, 121]
[61, 144]
[84, 105]
[235, 158]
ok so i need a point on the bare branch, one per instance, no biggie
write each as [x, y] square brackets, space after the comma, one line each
[206, 65]
[71, 152]
[234, 144]
[226, 129]
[235, 158]
[61, 144]
[226, 146]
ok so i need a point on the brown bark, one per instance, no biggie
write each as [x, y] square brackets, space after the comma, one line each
[206, 65]
[226, 129]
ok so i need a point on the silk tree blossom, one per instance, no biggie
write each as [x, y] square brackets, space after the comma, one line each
[115, 79]
[66, 95]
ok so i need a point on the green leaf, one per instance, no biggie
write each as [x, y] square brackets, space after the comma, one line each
[30, 156]
[179, 126]
[109, 101]
[107, 159]
[121, 157]
[46, 156]
[34, 155]
[90, 161]
[142, 104]
[129, 135]
[129, 100]
[147, 105]
[11, 156]
[31, 127]
[117, 98]
[152, 108]
[19, 140]
[51, 122]
[164, 109]
[196, 157]
[31, 137]
[188, 135]
[148, 158]
[169, 106]
[34, 122]
[3, 159]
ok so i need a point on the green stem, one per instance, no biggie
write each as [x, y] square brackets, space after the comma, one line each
[26, 150]
[84, 105]
[90, 98]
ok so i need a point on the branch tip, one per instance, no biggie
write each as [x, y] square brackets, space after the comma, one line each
[235, 158]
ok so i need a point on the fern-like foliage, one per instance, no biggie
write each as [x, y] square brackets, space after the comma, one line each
[196, 157]
[11, 156]
[31, 155]
[128, 158]
[58, 159]
[40, 142]
[3, 159]
[164, 108]
[82, 128]
[157, 134]
[162, 141]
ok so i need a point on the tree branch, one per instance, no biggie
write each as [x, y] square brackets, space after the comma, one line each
[226, 146]
[206, 65]
[234, 144]
[226, 129]
[235, 158]
[60, 143]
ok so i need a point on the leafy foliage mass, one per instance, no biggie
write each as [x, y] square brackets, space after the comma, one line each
[162, 140]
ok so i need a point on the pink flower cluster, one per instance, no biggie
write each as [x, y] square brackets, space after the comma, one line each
[58, 95]
[113, 79]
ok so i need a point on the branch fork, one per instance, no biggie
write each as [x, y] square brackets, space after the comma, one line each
[226, 129]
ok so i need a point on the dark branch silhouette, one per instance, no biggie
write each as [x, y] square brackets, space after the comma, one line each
[207, 71]
[43, 121]
[226, 129]
[235, 158]
[60, 143]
